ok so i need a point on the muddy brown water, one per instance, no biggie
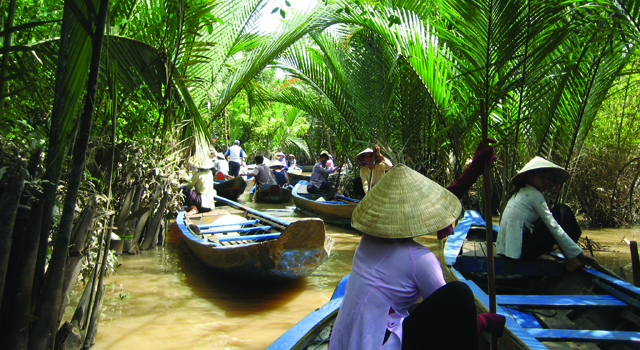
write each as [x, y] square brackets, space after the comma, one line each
[166, 299]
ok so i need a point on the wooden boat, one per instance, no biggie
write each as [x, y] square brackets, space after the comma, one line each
[230, 189]
[249, 244]
[295, 178]
[546, 307]
[314, 330]
[273, 194]
[334, 212]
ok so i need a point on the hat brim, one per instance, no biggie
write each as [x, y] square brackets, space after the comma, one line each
[405, 204]
[559, 174]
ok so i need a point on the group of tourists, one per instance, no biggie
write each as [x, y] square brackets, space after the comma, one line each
[266, 176]
[391, 272]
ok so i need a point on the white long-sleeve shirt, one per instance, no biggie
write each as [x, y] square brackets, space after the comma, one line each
[522, 210]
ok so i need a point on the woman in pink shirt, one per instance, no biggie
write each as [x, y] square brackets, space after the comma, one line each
[391, 272]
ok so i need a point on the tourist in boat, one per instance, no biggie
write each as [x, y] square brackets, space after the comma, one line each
[372, 167]
[262, 176]
[319, 182]
[280, 158]
[236, 157]
[391, 272]
[199, 192]
[529, 229]
[281, 177]
[221, 167]
[291, 163]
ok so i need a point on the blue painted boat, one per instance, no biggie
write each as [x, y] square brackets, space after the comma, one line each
[314, 330]
[249, 244]
[546, 308]
[334, 212]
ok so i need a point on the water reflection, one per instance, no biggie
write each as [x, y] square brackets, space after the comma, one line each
[167, 299]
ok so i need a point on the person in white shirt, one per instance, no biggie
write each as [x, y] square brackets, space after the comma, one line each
[236, 156]
[379, 167]
[221, 167]
[529, 229]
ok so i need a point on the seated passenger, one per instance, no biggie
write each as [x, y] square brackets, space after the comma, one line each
[199, 192]
[529, 229]
[281, 177]
[319, 182]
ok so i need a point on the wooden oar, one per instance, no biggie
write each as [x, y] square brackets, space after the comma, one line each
[338, 179]
[491, 283]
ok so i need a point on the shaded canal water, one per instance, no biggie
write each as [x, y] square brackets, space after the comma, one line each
[166, 299]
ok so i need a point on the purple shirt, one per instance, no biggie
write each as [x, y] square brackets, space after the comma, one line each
[386, 274]
[320, 174]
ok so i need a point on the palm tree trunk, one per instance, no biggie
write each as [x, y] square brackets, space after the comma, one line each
[8, 42]
[47, 312]
[8, 210]
[54, 158]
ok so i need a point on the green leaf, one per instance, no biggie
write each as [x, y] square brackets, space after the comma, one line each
[282, 13]
[275, 10]
[287, 3]
[209, 28]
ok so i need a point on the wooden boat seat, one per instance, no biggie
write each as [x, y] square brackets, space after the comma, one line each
[599, 336]
[303, 189]
[251, 237]
[240, 230]
[524, 319]
[248, 222]
[560, 301]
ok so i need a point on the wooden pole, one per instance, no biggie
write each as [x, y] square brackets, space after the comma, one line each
[489, 223]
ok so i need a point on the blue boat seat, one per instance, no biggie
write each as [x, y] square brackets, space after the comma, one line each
[247, 222]
[243, 229]
[599, 336]
[560, 301]
[250, 237]
[524, 319]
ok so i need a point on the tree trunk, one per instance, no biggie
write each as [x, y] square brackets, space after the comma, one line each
[8, 42]
[54, 158]
[47, 312]
[77, 251]
[8, 209]
[152, 232]
[23, 294]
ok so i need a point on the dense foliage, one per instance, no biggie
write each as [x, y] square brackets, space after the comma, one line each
[107, 113]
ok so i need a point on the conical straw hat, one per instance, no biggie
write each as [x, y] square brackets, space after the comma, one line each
[201, 162]
[405, 204]
[558, 174]
[360, 156]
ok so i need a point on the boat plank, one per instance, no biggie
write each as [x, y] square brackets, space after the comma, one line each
[585, 335]
[243, 229]
[560, 301]
[524, 319]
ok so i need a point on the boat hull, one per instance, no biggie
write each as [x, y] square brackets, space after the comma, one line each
[546, 307]
[333, 212]
[274, 194]
[298, 250]
[231, 189]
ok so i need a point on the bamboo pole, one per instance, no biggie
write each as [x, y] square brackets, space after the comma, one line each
[488, 223]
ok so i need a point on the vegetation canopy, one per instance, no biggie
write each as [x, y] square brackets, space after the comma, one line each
[103, 102]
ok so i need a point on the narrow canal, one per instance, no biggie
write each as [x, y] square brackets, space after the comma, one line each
[166, 299]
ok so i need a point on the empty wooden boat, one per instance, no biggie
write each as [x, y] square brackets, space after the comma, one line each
[250, 244]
